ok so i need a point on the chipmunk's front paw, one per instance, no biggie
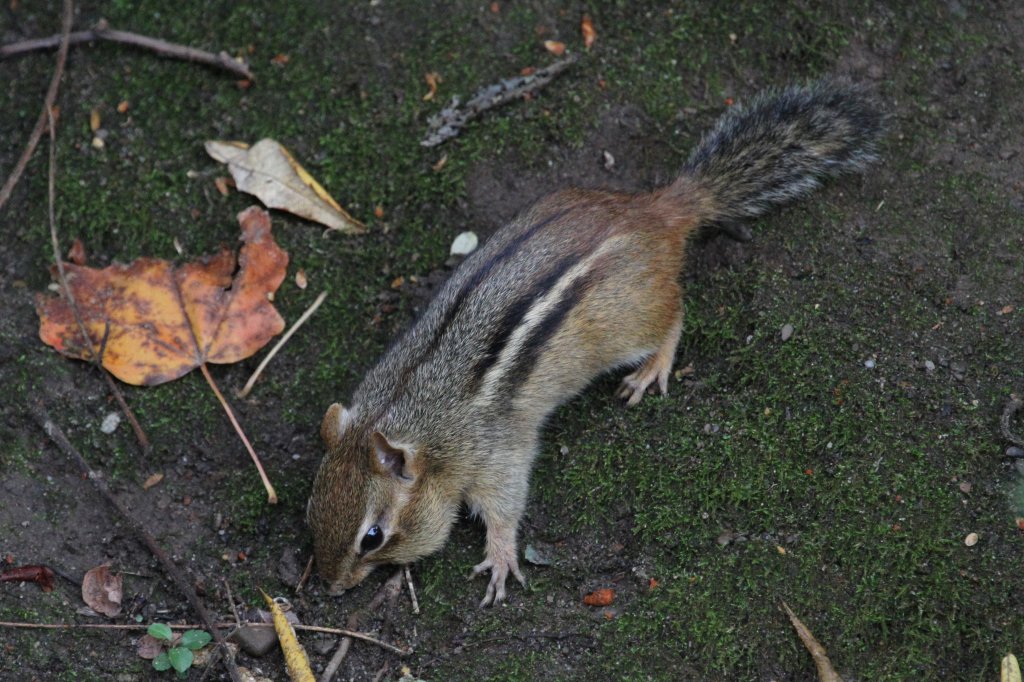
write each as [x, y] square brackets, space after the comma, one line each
[500, 565]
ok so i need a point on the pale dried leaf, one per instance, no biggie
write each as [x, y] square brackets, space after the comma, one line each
[102, 590]
[152, 481]
[268, 171]
[149, 647]
[1009, 671]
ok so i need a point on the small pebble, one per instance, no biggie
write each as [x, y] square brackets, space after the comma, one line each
[929, 365]
[869, 363]
[110, 422]
[464, 244]
[1014, 451]
[787, 332]
[609, 160]
[564, 450]
[971, 540]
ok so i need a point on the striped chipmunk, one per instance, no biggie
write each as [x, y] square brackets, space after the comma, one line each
[583, 282]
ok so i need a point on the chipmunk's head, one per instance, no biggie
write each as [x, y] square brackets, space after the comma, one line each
[373, 503]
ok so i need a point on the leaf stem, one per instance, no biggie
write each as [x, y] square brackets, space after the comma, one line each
[271, 494]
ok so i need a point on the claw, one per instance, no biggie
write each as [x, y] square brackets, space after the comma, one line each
[499, 569]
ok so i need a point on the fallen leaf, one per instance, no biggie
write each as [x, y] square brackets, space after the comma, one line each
[1005, 310]
[589, 34]
[432, 79]
[300, 279]
[101, 590]
[41, 575]
[280, 59]
[378, 211]
[554, 47]
[440, 163]
[603, 597]
[527, 70]
[295, 658]
[156, 321]
[94, 120]
[826, 673]
[149, 647]
[152, 481]
[223, 184]
[397, 282]
[652, 584]
[268, 171]
[122, 106]
[152, 322]
[76, 254]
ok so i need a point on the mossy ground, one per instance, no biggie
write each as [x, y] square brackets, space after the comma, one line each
[774, 471]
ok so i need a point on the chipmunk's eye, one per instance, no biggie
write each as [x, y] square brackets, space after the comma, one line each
[372, 540]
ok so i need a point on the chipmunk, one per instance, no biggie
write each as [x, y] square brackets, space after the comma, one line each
[583, 282]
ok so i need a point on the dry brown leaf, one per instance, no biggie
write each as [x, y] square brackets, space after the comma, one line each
[280, 59]
[223, 185]
[76, 254]
[152, 481]
[268, 171]
[826, 673]
[156, 321]
[589, 34]
[432, 79]
[101, 590]
[602, 597]
[555, 47]
[149, 647]
[122, 106]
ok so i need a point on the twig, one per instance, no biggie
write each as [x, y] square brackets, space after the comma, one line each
[231, 601]
[1004, 422]
[452, 119]
[194, 626]
[412, 591]
[283, 340]
[389, 590]
[382, 672]
[271, 493]
[47, 112]
[305, 576]
[161, 47]
[97, 358]
[55, 433]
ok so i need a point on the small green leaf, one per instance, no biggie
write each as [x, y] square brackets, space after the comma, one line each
[162, 662]
[181, 658]
[160, 631]
[195, 639]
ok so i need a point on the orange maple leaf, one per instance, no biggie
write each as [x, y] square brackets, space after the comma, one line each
[152, 321]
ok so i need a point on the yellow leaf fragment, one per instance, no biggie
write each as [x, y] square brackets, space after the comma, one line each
[826, 673]
[94, 120]
[269, 171]
[152, 481]
[1009, 671]
[295, 658]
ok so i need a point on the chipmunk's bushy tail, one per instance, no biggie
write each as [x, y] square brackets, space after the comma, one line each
[781, 145]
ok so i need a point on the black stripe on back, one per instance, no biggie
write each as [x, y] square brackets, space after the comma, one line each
[548, 327]
[465, 290]
[513, 317]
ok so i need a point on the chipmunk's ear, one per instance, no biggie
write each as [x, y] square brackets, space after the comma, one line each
[388, 458]
[334, 424]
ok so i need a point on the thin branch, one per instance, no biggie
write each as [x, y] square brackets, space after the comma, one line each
[389, 590]
[271, 493]
[47, 112]
[97, 358]
[55, 433]
[197, 626]
[452, 119]
[161, 47]
[305, 576]
[283, 340]
[412, 591]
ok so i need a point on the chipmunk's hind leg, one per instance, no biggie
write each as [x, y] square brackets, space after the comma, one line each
[656, 367]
